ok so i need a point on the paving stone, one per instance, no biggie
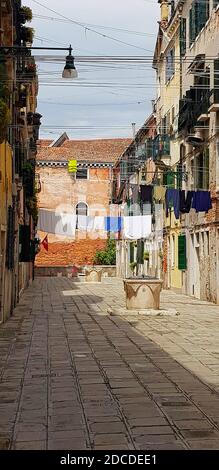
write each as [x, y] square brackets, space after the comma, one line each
[121, 379]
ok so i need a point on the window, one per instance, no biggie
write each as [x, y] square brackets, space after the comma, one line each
[198, 15]
[170, 64]
[183, 36]
[202, 170]
[81, 208]
[81, 211]
[182, 261]
[82, 174]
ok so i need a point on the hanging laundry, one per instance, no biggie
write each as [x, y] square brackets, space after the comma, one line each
[150, 171]
[172, 200]
[185, 201]
[113, 224]
[82, 223]
[135, 193]
[137, 227]
[159, 193]
[72, 166]
[47, 221]
[95, 223]
[146, 193]
[202, 201]
[66, 224]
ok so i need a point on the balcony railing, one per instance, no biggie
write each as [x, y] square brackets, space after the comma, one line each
[214, 100]
[195, 104]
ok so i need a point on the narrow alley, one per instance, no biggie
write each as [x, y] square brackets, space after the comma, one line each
[75, 377]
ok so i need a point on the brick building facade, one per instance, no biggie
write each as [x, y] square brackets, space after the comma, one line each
[90, 188]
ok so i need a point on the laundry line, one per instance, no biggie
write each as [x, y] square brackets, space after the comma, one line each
[66, 224]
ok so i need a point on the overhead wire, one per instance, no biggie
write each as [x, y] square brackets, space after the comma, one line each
[87, 28]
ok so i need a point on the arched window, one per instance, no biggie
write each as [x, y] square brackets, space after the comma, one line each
[81, 210]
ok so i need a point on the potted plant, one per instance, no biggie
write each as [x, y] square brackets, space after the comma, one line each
[30, 70]
[27, 34]
[26, 14]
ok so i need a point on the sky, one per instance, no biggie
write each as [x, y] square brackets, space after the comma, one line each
[108, 97]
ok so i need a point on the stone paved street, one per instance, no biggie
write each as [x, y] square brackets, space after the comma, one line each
[74, 377]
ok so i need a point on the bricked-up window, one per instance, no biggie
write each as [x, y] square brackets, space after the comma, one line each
[82, 174]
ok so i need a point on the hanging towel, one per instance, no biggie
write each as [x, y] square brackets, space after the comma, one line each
[137, 227]
[172, 199]
[185, 201]
[95, 223]
[66, 224]
[113, 224]
[159, 193]
[146, 193]
[82, 223]
[202, 201]
[47, 221]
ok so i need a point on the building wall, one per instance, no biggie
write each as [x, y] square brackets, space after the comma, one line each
[201, 276]
[168, 94]
[59, 190]
[6, 278]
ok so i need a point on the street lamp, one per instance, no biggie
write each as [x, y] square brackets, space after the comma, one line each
[69, 70]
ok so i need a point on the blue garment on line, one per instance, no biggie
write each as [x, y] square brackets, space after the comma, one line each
[202, 201]
[113, 224]
[172, 198]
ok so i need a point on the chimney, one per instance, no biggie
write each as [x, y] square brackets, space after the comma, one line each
[134, 129]
[164, 13]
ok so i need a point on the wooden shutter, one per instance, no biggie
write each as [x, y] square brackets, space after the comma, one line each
[202, 14]
[25, 243]
[182, 261]
[183, 36]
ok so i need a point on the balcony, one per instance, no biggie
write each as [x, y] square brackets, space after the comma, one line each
[193, 108]
[214, 101]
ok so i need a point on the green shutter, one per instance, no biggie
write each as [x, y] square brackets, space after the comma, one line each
[170, 179]
[132, 252]
[202, 14]
[183, 36]
[182, 261]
